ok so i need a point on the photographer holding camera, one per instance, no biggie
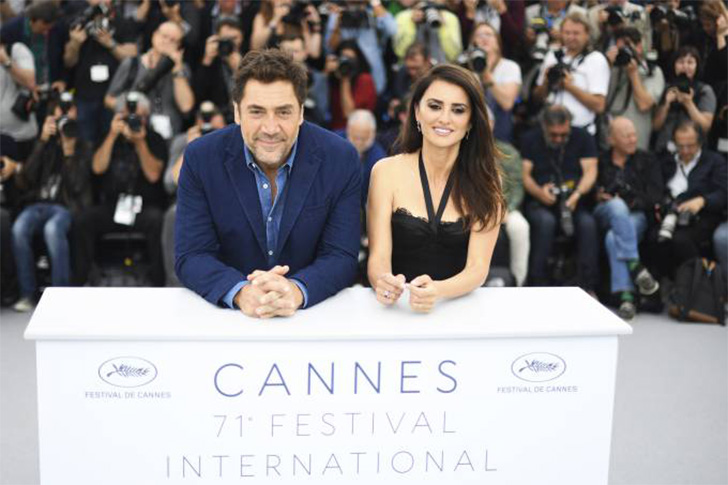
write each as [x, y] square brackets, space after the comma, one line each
[130, 163]
[543, 25]
[17, 76]
[612, 15]
[575, 76]
[695, 197]
[685, 98]
[351, 86]
[371, 25]
[221, 60]
[431, 23]
[629, 185]
[161, 75]
[277, 19]
[501, 78]
[55, 184]
[635, 85]
[209, 118]
[99, 40]
[559, 169]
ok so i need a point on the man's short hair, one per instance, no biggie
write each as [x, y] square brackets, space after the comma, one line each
[554, 115]
[686, 125]
[268, 66]
[578, 18]
[228, 21]
[46, 11]
[415, 49]
[630, 33]
[364, 116]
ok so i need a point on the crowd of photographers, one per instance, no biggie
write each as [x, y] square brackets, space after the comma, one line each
[611, 115]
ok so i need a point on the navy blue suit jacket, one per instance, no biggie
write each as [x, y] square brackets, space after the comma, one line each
[219, 231]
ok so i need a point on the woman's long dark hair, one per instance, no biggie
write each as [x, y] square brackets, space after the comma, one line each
[477, 191]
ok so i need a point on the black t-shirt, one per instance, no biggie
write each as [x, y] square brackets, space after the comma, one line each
[94, 54]
[545, 160]
[125, 176]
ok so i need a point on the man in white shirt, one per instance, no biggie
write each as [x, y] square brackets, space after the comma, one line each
[579, 81]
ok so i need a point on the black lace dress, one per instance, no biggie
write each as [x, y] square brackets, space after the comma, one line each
[432, 247]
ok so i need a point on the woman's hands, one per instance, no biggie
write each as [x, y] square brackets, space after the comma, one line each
[423, 291]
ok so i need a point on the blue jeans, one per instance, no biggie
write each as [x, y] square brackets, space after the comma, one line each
[625, 230]
[544, 224]
[55, 221]
[720, 246]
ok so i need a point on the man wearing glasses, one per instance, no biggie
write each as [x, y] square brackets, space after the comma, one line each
[559, 169]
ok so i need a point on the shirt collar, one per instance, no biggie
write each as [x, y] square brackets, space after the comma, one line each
[690, 165]
[250, 161]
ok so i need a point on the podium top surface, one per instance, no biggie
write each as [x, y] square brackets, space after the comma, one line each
[354, 314]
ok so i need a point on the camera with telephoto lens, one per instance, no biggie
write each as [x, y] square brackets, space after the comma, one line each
[625, 54]
[672, 220]
[566, 217]
[431, 10]
[475, 59]
[65, 125]
[347, 66]
[225, 46]
[133, 120]
[93, 19]
[152, 77]
[543, 38]
[681, 19]
[558, 71]
[682, 83]
[207, 112]
[620, 187]
[354, 18]
[617, 16]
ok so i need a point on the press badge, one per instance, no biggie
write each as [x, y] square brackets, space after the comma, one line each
[127, 207]
[100, 73]
[162, 124]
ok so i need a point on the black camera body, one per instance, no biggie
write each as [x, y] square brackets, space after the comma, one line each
[475, 59]
[65, 125]
[225, 46]
[617, 16]
[297, 13]
[347, 66]
[354, 18]
[620, 187]
[93, 19]
[566, 216]
[625, 54]
[682, 83]
[558, 71]
[133, 120]
[678, 18]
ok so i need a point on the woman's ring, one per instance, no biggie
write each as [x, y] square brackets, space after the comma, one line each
[386, 294]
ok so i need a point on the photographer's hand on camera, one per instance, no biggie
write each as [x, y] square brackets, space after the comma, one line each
[418, 15]
[693, 205]
[685, 99]
[546, 195]
[573, 200]
[603, 195]
[171, 12]
[211, 50]
[49, 130]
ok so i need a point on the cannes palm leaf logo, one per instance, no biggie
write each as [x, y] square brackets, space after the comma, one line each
[128, 371]
[538, 366]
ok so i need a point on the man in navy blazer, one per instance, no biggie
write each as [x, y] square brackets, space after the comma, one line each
[268, 208]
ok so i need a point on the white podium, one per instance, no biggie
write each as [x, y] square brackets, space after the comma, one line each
[156, 386]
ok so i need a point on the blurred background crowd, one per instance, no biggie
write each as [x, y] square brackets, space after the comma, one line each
[610, 117]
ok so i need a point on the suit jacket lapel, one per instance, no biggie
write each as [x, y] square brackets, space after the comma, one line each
[245, 187]
[305, 166]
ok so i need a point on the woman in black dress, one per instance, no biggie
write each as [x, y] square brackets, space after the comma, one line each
[434, 211]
